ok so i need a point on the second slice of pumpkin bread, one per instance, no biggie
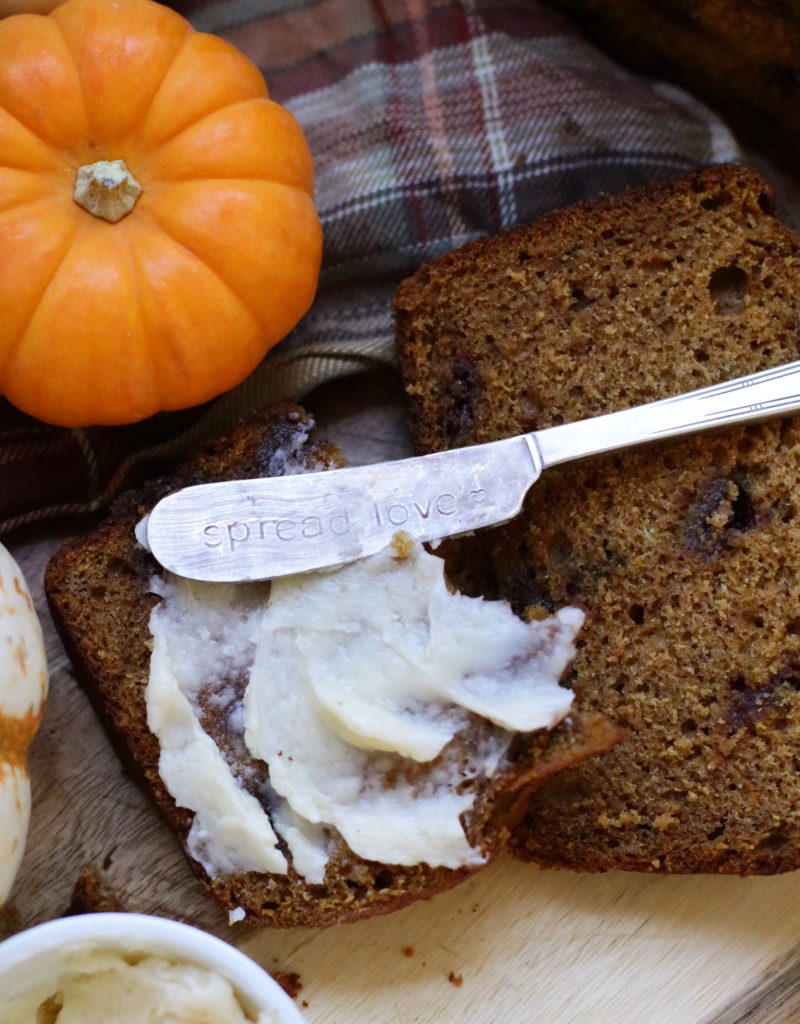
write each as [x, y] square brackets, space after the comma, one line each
[684, 555]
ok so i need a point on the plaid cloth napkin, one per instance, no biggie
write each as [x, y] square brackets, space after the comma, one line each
[431, 122]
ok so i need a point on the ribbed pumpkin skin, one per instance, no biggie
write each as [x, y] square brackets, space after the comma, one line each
[23, 687]
[177, 302]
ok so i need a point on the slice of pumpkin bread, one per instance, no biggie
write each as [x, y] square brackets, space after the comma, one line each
[102, 589]
[685, 555]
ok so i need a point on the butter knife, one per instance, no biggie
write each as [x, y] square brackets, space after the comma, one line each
[258, 529]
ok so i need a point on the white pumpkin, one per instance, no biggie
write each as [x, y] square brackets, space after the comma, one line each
[23, 688]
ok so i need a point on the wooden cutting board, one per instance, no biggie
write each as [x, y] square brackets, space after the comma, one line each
[513, 945]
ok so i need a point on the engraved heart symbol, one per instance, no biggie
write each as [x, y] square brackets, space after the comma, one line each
[478, 495]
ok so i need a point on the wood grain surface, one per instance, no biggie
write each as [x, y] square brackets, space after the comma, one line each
[514, 945]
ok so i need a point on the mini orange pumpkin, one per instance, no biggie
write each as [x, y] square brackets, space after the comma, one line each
[157, 227]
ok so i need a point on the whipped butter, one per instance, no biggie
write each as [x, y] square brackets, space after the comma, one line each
[108, 987]
[361, 690]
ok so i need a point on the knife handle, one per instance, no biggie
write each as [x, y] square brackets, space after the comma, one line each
[754, 397]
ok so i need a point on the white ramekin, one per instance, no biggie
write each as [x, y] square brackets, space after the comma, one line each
[39, 956]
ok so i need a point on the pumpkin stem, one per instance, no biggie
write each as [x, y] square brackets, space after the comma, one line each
[106, 189]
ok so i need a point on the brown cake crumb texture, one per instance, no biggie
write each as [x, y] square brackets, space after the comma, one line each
[685, 555]
[99, 593]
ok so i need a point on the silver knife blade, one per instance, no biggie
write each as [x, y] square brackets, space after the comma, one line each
[259, 529]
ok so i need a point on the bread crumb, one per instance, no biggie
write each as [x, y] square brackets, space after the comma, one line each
[402, 544]
[455, 979]
[92, 894]
[10, 921]
[290, 982]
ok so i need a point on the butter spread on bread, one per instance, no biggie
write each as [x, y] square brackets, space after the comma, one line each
[355, 679]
